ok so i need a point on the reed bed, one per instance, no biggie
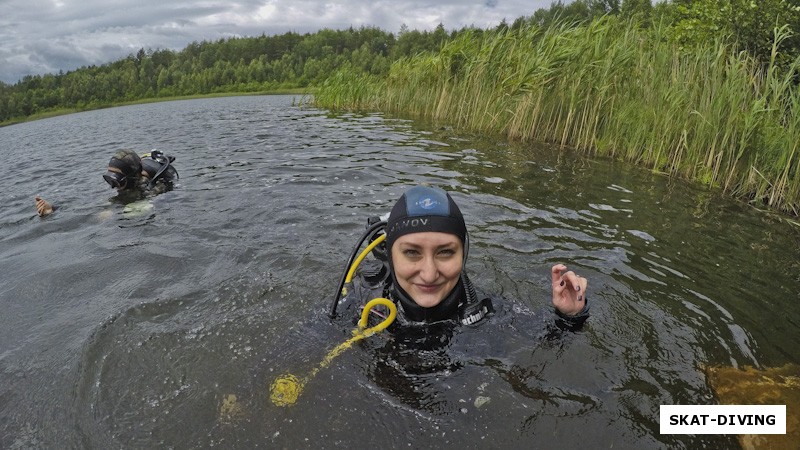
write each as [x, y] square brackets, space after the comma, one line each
[609, 87]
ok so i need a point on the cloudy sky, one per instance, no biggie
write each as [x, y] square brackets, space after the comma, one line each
[45, 36]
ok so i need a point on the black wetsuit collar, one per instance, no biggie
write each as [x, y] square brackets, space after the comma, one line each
[447, 309]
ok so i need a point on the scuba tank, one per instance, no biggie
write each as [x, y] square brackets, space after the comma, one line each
[159, 167]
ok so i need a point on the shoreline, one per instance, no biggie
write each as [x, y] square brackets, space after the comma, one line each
[66, 111]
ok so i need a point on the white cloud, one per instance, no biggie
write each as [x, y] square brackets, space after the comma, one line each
[45, 36]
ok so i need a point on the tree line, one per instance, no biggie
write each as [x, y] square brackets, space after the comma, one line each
[292, 60]
[248, 64]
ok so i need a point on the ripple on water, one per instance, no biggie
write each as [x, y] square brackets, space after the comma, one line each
[120, 331]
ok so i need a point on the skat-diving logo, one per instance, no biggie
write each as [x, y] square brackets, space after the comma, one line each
[427, 203]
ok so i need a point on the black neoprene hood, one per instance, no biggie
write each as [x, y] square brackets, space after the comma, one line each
[425, 208]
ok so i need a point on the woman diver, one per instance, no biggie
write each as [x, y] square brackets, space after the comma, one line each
[133, 177]
[416, 286]
[420, 268]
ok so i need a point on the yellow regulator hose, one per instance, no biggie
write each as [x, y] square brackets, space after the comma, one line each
[358, 260]
[285, 390]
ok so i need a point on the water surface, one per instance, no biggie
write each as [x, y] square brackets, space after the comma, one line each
[134, 331]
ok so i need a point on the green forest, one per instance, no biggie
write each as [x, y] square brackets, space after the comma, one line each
[235, 65]
[291, 60]
[706, 90]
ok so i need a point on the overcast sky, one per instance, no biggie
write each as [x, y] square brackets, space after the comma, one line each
[45, 36]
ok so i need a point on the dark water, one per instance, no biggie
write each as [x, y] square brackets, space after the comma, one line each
[120, 330]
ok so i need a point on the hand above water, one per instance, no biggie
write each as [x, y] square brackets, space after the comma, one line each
[569, 290]
[43, 207]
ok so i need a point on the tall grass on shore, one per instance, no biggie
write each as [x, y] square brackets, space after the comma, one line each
[609, 87]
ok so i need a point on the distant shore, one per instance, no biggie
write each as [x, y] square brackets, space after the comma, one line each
[64, 111]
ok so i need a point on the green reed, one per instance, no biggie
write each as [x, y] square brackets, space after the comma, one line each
[613, 88]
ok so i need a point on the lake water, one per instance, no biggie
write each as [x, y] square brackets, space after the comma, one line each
[126, 330]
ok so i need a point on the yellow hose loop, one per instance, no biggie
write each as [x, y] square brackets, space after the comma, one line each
[386, 322]
[361, 257]
[286, 389]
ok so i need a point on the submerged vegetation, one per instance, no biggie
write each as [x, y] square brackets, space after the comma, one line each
[610, 86]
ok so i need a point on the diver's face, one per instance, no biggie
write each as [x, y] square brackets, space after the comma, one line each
[427, 265]
[115, 178]
[121, 182]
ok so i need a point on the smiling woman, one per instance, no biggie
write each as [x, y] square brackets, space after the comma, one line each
[427, 247]
[427, 266]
